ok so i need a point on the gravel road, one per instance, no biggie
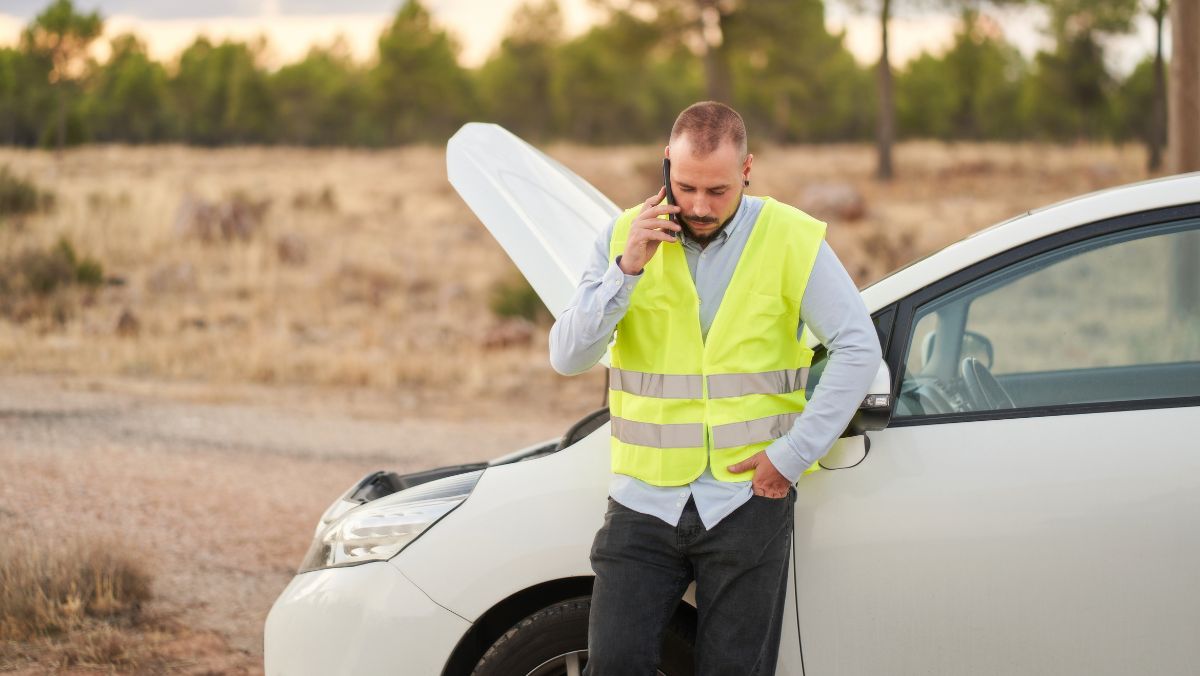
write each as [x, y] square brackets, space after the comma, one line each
[218, 493]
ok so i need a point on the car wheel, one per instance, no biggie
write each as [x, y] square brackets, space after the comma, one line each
[553, 642]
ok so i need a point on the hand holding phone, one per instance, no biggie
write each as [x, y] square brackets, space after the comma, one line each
[649, 229]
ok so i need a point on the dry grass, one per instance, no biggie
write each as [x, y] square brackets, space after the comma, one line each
[74, 603]
[81, 606]
[47, 589]
[367, 270]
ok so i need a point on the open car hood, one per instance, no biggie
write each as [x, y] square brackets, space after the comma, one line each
[544, 216]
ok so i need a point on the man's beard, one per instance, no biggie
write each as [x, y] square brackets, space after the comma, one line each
[703, 240]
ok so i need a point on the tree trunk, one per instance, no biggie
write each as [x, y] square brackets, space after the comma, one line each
[1183, 151]
[62, 118]
[716, 66]
[1158, 113]
[886, 131]
[716, 75]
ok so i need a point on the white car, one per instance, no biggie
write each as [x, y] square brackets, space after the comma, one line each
[1022, 497]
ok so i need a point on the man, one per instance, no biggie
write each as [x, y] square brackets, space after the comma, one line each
[710, 427]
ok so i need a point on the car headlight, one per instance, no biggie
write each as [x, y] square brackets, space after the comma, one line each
[381, 528]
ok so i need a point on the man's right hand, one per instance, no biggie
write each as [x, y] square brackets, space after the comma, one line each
[647, 231]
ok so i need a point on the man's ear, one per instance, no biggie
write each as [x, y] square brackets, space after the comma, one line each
[667, 152]
[746, 166]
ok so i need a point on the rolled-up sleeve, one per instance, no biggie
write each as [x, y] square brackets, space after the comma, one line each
[580, 336]
[834, 311]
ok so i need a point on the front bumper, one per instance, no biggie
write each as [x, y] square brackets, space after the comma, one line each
[360, 620]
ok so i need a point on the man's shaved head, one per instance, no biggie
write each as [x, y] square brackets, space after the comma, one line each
[707, 125]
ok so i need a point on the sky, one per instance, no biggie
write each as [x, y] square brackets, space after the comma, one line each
[291, 26]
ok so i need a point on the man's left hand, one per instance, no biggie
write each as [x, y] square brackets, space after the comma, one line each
[767, 482]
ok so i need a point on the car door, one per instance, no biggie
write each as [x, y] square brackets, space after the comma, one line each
[1056, 533]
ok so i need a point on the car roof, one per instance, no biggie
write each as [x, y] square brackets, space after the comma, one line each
[1033, 225]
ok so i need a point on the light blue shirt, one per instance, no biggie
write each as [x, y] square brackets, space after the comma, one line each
[831, 308]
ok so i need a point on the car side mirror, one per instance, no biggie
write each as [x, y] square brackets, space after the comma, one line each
[875, 411]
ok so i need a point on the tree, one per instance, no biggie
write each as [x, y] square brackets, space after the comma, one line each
[1070, 93]
[886, 121]
[885, 134]
[127, 98]
[701, 26]
[1184, 141]
[63, 35]
[1184, 135]
[1133, 104]
[793, 80]
[515, 84]
[969, 92]
[420, 92]
[322, 99]
[1157, 136]
[26, 99]
[623, 81]
[222, 93]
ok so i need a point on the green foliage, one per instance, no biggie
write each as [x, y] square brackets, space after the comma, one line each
[624, 80]
[1134, 105]
[514, 297]
[515, 85]
[971, 92]
[1071, 18]
[128, 98]
[19, 197]
[420, 91]
[223, 94]
[27, 101]
[321, 99]
[793, 81]
[1068, 95]
[61, 35]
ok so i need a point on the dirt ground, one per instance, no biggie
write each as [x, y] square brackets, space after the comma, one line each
[219, 499]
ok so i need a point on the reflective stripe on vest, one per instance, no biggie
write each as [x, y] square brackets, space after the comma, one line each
[753, 431]
[664, 386]
[771, 382]
[683, 435]
[680, 401]
[657, 385]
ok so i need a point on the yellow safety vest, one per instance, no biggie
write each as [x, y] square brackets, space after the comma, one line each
[680, 402]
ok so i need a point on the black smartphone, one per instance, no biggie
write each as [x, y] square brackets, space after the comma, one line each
[670, 196]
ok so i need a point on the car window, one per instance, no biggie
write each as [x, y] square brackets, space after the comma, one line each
[1115, 318]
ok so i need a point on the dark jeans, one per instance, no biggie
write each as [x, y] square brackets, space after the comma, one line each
[643, 566]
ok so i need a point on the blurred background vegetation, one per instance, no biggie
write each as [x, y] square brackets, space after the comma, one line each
[622, 81]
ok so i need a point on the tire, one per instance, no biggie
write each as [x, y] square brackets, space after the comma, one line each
[553, 642]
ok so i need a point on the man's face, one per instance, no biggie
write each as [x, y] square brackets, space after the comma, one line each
[707, 188]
